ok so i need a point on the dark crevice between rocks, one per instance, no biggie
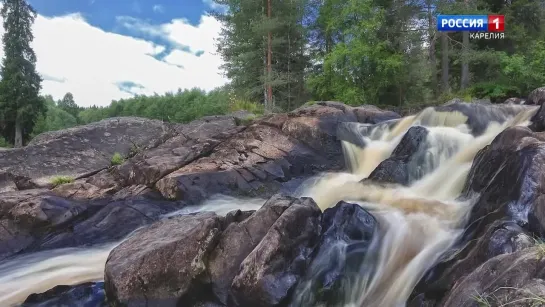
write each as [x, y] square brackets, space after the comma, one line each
[91, 173]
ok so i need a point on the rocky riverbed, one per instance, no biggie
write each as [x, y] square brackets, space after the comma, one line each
[475, 167]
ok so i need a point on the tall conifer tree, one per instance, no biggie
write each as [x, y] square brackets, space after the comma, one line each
[20, 104]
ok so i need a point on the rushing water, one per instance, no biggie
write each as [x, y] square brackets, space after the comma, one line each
[417, 222]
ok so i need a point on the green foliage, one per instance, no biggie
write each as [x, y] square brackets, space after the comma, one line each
[58, 180]
[20, 104]
[182, 107]
[68, 105]
[243, 46]
[117, 159]
[237, 104]
[4, 143]
[54, 119]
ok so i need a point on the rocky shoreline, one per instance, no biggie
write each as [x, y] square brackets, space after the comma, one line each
[260, 258]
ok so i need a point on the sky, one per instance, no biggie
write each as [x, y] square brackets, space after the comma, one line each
[104, 50]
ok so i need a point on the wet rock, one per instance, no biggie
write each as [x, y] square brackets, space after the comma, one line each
[82, 150]
[355, 133]
[506, 183]
[109, 221]
[269, 273]
[538, 120]
[515, 279]
[373, 115]
[144, 270]
[514, 100]
[207, 260]
[407, 162]
[477, 115]
[536, 97]
[347, 233]
[238, 240]
[84, 295]
[26, 215]
[34, 220]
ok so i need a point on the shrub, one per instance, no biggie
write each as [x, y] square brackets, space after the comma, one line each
[58, 180]
[117, 159]
[238, 104]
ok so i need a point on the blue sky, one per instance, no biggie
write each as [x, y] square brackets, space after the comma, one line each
[111, 49]
[103, 13]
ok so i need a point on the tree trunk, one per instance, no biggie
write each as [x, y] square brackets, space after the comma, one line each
[18, 133]
[464, 79]
[444, 62]
[431, 50]
[269, 60]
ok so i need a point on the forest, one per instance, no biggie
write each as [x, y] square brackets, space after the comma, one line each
[280, 54]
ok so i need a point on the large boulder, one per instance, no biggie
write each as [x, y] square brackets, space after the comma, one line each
[204, 259]
[254, 161]
[274, 150]
[537, 96]
[146, 167]
[275, 266]
[347, 233]
[160, 264]
[82, 150]
[506, 183]
[237, 241]
[34, 220]
[405, 164]
[516, 279]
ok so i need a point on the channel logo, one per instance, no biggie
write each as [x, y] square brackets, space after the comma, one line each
[471, 23]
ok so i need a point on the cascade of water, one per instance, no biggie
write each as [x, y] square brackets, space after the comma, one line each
[417, 222]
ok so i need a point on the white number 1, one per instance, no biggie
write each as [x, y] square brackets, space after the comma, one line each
[497, 22]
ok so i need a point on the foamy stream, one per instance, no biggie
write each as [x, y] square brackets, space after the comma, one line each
[417, 223]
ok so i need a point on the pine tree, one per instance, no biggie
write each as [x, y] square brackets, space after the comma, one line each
[20, 104]
[263, 46]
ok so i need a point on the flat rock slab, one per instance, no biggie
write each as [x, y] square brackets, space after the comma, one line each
[82, 150]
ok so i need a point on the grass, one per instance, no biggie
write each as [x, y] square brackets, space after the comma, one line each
[245, 121]
[481, 300]
[245, 105]
[58, 180]
[117, 159]
[310, 103]
[484, 300]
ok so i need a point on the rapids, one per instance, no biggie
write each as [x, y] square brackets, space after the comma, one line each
[418, 223]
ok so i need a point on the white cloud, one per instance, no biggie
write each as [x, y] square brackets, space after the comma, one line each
[179, 32]
[213, 5]
[75, 57]
[158, 8]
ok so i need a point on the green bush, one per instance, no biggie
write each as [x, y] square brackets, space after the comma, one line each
[117, 159]
[497, 92]
[242, 104]
[58, 180]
